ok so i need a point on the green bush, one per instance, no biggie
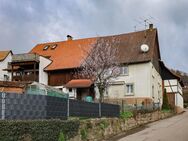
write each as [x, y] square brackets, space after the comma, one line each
[104, 124]
[84, 134]
[37, 130]
[126, 115]
[61, 137]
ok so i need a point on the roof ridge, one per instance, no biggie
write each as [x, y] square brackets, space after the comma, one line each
[105, 36]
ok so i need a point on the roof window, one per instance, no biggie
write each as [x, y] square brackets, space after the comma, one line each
[54, 46]
[46, 47]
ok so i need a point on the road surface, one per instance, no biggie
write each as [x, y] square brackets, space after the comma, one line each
[171, 129]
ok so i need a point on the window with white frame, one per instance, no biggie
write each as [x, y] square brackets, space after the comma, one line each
[129, 89]
[124, 70]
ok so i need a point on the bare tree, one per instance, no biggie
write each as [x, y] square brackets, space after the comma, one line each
[101, 64]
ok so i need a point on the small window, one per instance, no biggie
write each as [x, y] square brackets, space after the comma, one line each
[70, 89]
[54, 46]
[124, 70]
[6, 77]
[130, 89]
[46, 47]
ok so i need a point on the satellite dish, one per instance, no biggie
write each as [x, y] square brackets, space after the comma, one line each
[144, 48]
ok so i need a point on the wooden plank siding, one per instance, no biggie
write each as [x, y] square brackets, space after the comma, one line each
[60, 77]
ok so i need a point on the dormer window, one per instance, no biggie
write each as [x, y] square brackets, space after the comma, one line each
[54, 46]
[46, 47]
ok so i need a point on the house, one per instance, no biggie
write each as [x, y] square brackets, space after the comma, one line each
[5, 57]
[55, 64]
[140, 76]
[28, 67]
[173, 86]
[140, 81]
[67, 57]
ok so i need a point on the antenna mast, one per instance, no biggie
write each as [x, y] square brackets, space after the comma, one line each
[143, 22]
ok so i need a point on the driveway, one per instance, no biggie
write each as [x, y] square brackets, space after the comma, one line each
[171, 129]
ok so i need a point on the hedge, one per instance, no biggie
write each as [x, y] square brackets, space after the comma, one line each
[37, 130]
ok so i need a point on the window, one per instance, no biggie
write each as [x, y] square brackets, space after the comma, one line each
[46, 47]
[70, 89]
[6, 77]
[54, 46]
[124, 70]
[130, 89]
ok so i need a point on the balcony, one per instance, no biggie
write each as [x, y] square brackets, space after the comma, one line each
[25, 57]
[30, 77]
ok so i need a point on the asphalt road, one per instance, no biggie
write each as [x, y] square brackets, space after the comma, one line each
[171, 129]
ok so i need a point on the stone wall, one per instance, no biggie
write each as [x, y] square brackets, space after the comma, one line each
[99, 129]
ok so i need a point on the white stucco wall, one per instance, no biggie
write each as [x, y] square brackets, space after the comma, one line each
[179, 100]
[156, 81]
[4, 65]
[43, 76]
[142, 76]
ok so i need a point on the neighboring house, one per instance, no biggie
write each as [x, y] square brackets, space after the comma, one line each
[5, 57]
[172, 84]
[28, 67]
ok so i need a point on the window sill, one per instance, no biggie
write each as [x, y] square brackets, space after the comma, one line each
[123, 74]
[129, 95]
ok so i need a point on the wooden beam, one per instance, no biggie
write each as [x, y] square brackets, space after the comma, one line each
[35, 71]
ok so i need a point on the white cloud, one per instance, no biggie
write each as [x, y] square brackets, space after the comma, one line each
[26, 23]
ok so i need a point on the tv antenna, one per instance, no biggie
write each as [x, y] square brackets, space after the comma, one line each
[144, 21]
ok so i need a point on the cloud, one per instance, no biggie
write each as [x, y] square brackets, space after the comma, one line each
[23, 24]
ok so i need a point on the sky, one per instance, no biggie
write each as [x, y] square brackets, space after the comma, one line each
[25, 23]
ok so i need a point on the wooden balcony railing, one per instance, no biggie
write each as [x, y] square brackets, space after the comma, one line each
[30, 77]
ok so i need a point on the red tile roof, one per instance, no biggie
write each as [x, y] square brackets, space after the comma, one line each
[67, 54]
[70, 54]
[79, 83]
[4, 54]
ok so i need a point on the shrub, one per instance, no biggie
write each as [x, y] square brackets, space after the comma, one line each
[103, 124]
[126, 115]
[37, 130]
[61, 137]
[84, 134]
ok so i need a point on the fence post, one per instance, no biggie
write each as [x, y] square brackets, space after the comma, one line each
[68, 108]
[100, 109]
[122, 106]
[3, 106]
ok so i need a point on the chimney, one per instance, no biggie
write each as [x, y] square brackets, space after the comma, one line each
[151, 26]
[69, 37]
